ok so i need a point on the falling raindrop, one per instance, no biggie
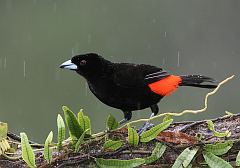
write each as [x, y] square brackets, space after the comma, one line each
[5, 63]
[89, 38]
[55, 7]
[24, 69]
[214, 64]
[73, 52]
[57, 74]
[34, 2]
[0, 62]
[178, 59]
[154, 21]
[86, 89]
[76, 48]
[9, 5]
[149, 46]
[29, 36]
[163, 61]
[165, 34]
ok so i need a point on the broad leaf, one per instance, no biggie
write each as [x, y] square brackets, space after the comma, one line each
[75, 130]
[156, 154]
[84, 121]
[216, 133]
[222, 134]
[4, 146]
[27, 152]
[115, 163]
[176, 137]
[219, 148]
[47, 150]
[238, 159]
[112, 145]
[80, 140]
[133, 137]
[185, 158]
[61, 131]
[153, 132]
[112, 123]
[3, 130]
[210, 125]
[167, 117]
[215, 161]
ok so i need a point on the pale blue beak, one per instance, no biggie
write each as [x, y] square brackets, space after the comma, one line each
[68, 65]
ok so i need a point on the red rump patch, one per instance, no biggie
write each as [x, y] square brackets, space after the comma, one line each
[166, 86]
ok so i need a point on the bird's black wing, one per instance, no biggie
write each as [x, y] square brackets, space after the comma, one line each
[135, 76]
[156, 76]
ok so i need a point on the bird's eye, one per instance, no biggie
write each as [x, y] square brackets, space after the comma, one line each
[83, 62]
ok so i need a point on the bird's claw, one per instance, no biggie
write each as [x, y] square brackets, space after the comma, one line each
[145, 126]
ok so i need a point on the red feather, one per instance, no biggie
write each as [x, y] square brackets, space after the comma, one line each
[166, 86]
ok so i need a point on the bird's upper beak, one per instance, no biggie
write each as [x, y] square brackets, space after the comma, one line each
[68, 65]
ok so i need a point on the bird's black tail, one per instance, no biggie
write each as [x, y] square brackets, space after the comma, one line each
[198, 81]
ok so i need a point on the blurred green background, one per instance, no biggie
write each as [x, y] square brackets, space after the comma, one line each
[184, 37]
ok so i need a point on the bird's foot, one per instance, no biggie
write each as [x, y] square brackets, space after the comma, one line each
[123, 121]
[145, 126]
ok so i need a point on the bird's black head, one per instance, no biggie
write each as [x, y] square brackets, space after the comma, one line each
[87, 65]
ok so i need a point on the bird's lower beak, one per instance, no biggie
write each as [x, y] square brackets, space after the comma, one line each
[68, 65]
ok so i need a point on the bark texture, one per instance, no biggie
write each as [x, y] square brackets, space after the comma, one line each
[177, 137]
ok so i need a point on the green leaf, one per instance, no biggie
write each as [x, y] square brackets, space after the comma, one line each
[112, 145]
[133, 137]
[215, 161]
[229, 113]
[153, 132]
[3, 130]
[75, 129]
[47, 150]
[219, 148]
[156, 154]
[61, 131]
[4, 146]
[185, 158]
[238, 159]
[167, 117]
[80, 140]
[112, 123]
[84, 121]
[27, 152]
[210, 125]
[216, 133]
[115, 163]
[222, 134]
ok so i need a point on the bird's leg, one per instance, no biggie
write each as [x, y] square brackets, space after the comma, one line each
[146, 125]
[127, 117]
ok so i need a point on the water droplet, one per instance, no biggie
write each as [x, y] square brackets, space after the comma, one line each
[165, 34]
[24, 69]
[89, 38]
[9, 5]
[178, 59]
[154, 21]
[5, 63]
[214, 65]
[55, 7]
[73, 52]
[57, 74]
[1, 62]
[86, 89]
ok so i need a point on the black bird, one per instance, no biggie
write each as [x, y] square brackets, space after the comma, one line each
[130, 87]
